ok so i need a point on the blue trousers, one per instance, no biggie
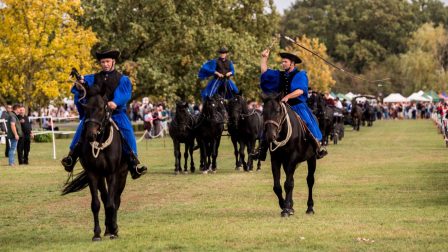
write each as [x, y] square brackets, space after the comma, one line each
[305, 113]
[125, 126]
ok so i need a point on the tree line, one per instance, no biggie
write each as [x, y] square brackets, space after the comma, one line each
[164, 43]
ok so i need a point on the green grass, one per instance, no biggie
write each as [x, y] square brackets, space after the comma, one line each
[387, 184]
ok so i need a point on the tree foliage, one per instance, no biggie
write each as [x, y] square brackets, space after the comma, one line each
[40, 42]
[168, 40]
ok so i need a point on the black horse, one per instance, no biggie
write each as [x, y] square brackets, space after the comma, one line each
[368, 115]
[285, 133]
[324, 115]
[356, 114]
[245, 128]
[208, 131]
[105, 167]
[181, 131]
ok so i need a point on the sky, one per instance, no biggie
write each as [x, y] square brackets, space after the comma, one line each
[284, 4]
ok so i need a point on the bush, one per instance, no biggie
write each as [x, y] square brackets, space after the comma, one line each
[43, 138]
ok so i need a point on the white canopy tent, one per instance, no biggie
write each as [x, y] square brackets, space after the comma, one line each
[395, 97]
[418, 97]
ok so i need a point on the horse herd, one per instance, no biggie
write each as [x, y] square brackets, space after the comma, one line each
[105, 167]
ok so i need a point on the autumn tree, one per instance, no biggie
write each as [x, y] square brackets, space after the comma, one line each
[40, 42]
[319, 73]
[168, 40]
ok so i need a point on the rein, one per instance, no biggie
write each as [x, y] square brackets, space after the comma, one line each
[278, 125]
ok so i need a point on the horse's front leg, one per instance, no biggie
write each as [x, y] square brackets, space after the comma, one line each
[95, 206]
[289, 169]
[177, 156]
[275, 166]
[250, 149]
[186, 158]
[310, 181]
[235, 152]
[110, 207]
[242, 156]
[215, 152]
[191, 151]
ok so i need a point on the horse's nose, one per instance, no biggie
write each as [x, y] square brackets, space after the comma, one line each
[91, 136]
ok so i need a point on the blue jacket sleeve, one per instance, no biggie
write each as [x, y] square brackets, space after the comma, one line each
[208, 69]
[270, 81]
[300, 81]
[123, 92]
[232, 68]
[79, 93]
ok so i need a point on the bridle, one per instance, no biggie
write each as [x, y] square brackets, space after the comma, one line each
[278, 125]
[100, 145]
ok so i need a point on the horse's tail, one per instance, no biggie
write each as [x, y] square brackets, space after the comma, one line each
[80, 182]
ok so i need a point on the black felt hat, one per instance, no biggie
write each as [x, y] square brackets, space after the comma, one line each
[290, 56]
[223, 50]
[107, 54]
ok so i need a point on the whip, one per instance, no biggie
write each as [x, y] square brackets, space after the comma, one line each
[330, 63]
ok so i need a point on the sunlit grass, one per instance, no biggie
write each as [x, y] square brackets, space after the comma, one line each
[386, 185]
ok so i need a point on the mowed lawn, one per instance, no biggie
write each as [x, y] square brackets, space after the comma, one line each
[384, 188]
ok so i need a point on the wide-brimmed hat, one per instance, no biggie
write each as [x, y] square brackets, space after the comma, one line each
[107, 54]
[290, 56]
[223, 50]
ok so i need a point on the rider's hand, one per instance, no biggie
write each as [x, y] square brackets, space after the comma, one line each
[285, 99]
[228, 74]
[265, 53]
[220, 75]
[112, 105]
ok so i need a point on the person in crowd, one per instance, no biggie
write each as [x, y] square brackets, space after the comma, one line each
[24, 145]
[5, 116]
[14, 133]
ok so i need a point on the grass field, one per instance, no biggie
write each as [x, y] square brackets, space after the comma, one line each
[381, 189]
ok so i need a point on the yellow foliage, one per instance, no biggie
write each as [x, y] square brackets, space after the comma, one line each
[319, 73]
[40, 41]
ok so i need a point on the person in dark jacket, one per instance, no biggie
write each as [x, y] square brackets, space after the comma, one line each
[24, 145]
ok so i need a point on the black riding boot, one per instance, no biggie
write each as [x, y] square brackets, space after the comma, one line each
[261, 152]
[320, 150]
[133, 168]
[70, 160]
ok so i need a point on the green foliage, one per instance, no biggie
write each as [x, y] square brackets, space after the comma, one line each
[169, 40]
[43, 138]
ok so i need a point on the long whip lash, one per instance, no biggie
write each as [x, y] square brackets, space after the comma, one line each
[332, 64]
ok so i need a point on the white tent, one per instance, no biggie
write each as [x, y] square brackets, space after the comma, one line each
[395, 97]
[417, 97]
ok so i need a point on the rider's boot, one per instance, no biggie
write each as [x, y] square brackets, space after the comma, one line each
[320, 150]
[70, 160]
[134, 168]
[261, 152]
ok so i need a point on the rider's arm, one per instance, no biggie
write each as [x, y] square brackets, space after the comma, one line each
[122, 93]
[264, 61]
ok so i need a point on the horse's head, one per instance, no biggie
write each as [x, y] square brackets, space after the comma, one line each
[235, 106]
[181, 108]
[273, 115]
[214, 108]
[97, 116]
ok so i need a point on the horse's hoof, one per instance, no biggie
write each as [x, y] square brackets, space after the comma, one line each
[284, 214]
[204, 172]
[291, 211]
[310, 211]
[176, 173]
[214, 171]
[185, 172]
[258, 169]
[238, 168]
[113, 236]
[96, 239]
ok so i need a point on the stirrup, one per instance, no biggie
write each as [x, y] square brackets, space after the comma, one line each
[137, 172]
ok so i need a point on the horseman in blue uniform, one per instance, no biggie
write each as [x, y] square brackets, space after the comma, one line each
[221, 69]
[118, 89]
[293, 85]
